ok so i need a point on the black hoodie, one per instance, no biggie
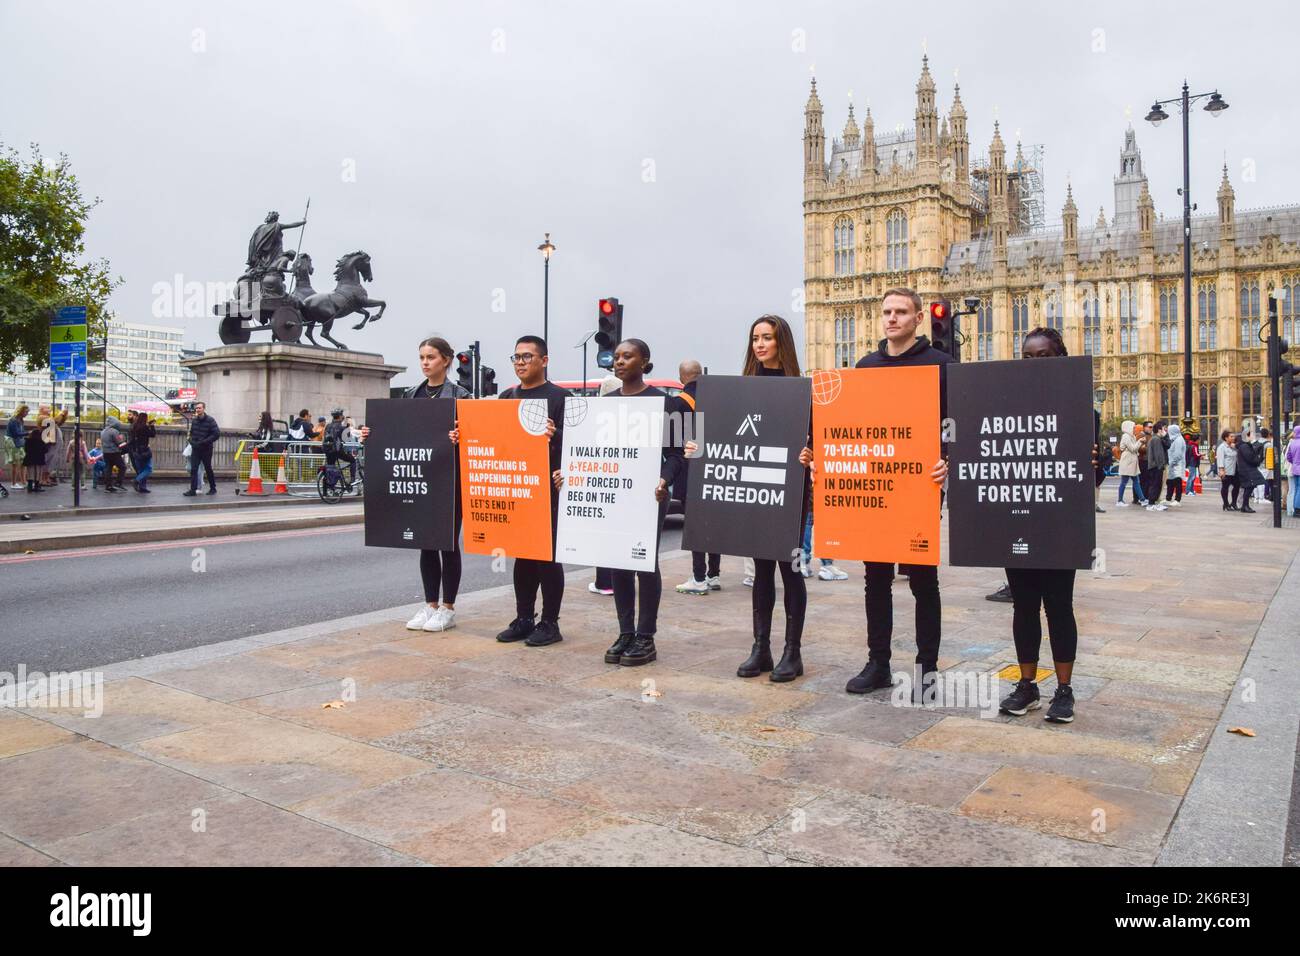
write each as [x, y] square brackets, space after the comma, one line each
[921, 353]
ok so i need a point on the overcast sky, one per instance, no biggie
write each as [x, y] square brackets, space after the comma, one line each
[659, 143]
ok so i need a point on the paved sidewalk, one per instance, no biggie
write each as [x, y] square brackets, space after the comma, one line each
[457, 749]
[167, 525]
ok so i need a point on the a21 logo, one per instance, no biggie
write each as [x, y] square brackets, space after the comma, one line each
[750, 424]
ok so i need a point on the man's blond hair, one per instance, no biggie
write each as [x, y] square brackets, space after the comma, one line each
[906, 293]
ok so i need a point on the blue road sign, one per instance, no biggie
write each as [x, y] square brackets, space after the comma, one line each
[68, 344]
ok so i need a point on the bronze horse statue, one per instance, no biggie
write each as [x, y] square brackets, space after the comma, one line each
[323, 308]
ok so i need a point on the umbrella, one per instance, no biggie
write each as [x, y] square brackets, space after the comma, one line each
[159, 408]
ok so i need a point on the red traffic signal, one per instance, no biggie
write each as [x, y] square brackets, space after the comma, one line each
[940, 310]
[607, 306]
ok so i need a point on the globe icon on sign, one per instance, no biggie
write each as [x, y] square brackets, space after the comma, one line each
[826, 386]
[532, 416]
[575, 411]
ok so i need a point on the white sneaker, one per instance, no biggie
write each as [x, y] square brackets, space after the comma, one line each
[443, 619]
[803, 569]
[1121, 504]
[595, 590]
[748, 582]
[17, 484]
[830, 572]
[714, 583]
[421, 618]
[692, 586]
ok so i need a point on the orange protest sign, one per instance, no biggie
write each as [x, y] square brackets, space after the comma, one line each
[875, 440]
[505, 477]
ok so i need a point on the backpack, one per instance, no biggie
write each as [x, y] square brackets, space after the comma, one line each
[333, 438]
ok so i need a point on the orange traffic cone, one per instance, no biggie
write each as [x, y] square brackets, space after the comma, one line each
[255, 478]
[281, 483]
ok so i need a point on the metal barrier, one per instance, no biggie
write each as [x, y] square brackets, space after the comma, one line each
[302, 463]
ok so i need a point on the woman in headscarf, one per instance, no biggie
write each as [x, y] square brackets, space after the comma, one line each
[1130, 466]
[1177, 463]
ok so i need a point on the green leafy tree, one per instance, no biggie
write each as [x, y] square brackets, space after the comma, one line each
[42, 256]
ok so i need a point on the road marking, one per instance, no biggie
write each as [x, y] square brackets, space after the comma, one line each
[92, 552]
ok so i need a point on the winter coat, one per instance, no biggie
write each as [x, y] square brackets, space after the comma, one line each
[1177, 452]
[1128, 451]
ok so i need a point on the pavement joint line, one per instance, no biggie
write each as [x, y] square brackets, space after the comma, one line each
[1204, 832]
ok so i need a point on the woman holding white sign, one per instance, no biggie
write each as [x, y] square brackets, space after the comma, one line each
[440, 571]
[636, 633]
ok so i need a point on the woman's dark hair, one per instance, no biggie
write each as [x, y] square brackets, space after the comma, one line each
[439, 345]
[785, 350]
[303, 413]
[266, 422]
[647, 366]
[1053, 336]
[1226, 433]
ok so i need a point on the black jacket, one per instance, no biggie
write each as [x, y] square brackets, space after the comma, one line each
[204, 432]
[447, 389]
[921, 353]
[1249, 458]
[673, 460]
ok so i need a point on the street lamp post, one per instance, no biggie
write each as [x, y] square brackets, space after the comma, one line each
[546, 248]
[1155, 118]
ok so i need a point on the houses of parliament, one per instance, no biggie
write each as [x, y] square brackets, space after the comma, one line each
[910, 207]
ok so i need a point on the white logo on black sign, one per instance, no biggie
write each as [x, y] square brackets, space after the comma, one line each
[750, 424]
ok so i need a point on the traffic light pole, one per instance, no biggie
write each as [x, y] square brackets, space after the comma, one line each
[1274, 384]
[76, 451]
[478, 371]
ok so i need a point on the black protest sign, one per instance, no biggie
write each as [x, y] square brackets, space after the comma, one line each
[746, 486]
[1020, 475]
[410, 498]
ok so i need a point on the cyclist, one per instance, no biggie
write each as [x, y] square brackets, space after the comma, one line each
[333, 443]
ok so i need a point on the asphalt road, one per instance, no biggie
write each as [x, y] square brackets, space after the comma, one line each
[82, 609]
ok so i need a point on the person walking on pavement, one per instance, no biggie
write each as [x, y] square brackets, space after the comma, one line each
[1157, 459]
[115, 447]
[1177, 463]
[1193, 463]
[1226, 457]
[15, 445]
[34, 457]
[142, 430]
[1249, 477]
[1129, 465]
[902, 347]
[204, 433]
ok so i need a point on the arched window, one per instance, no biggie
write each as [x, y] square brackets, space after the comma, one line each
[1128, 332]
[1289, 309]
[1091, 324]
[844, 257]
[1248, 306]
[846, 339]
[1207, 317]
[896, 242]
[1019, 323]
[984, 331]
[1251, 399]
[1169, 319]
[1052, 312]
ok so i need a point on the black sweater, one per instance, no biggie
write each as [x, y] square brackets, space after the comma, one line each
[673, 459]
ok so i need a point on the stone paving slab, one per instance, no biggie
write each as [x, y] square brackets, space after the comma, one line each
[357, 742]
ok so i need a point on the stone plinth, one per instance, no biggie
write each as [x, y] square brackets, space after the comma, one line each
[239, 382]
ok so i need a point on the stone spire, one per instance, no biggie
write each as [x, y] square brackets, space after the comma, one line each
[851, 130]
[998, 196]
[960, 141]
[814, 138]
[1146, 209]
[1070, 219]
[1101, 218]
[1129, 183]
[868, 145]
[1227, 221]
[927, 117]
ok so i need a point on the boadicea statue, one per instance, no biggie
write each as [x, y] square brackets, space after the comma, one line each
[262, 300]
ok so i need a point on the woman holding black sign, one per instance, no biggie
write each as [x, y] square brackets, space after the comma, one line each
[771, 351]
[439, 570]
[636, 634]
[1050, 589]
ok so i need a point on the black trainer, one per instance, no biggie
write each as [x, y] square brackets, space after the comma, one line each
[874, 676]
[641, 651]
[546, 632]
[1023, 698]
[184, 494]
[1002, 595]
[616, 649]
[520, 628]
[1061, 710]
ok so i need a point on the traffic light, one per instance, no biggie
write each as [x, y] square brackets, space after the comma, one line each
[487, 381]
[465, 371]
[943, 327]
[609, 331]
[1279, 367]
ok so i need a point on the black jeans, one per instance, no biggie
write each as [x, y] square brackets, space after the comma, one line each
[700, 570]
[201, 455]
[114, 462]
[1174, 489]
[1228, 486]
[1052, 591]
[440, 570]
[764, 597]
[334, 457]
[924, 581]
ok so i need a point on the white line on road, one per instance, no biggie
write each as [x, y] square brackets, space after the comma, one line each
[94, 552]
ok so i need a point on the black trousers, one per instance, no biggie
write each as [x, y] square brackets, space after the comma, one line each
[201, 455]
[604, 581]
[440, 570]
[529, 575]
[924, 582]
[1228, 486]
[1174, 489]
[625, 583]
[1051, 590]
[705, 565]
[334, 457]
[764, 596]
[1151, 484]
[115, 462]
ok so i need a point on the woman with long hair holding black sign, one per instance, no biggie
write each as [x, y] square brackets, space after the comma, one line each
[636, 633]
[439, 570]
[771, 351]
[1046, 589]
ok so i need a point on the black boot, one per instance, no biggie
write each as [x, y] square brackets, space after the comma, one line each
[760, 656]
[640, 651]
[616, 649]
[519, 629]
[791, 664]
[875, 676]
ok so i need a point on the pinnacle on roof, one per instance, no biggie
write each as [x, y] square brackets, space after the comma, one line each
[814, 103]
[997, 144]
[926, 82]
[1070, 207]
[957, 108]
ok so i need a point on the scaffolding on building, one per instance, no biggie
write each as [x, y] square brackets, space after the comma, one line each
[1026, 206]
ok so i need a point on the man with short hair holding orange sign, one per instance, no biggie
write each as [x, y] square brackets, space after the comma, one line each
[902, 348]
